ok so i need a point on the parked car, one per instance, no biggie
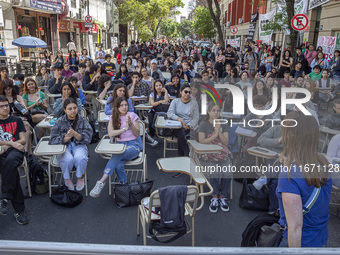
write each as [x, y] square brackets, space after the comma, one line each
[204, 44]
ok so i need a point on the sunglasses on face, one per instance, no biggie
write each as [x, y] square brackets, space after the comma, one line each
[187, 92]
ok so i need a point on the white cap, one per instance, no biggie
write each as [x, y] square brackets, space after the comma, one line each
[154, 61]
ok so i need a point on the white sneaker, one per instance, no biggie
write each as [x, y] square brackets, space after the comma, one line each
[69, 184]
[95, 192]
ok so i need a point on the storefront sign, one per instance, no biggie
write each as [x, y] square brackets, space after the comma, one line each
[76, 24]
[265, 34]
[328, 45]
[84, 29]
[47, 5]
[64, 26]
[316, 3]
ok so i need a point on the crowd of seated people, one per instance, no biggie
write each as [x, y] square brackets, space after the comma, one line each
[179, 86]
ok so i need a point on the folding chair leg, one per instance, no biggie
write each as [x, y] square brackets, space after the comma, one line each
[164, 150]
[110, 191]
[27, 178]
[144, 232]
[49, 180]
[138, 222]
[192, 231]
[85, 183]
[145, 167]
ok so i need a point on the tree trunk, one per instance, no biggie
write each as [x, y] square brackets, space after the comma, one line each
[155, 32]
[293, 34]
[216, 19]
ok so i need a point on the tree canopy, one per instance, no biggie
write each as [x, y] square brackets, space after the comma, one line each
[203, 23]
[145, 15]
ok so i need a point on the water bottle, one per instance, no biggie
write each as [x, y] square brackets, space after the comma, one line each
[20, 107]
[260, 182]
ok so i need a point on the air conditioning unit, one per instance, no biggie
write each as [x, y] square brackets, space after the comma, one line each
[240, 20]
[228, 23]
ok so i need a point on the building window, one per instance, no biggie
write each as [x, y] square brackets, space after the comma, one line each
[73, 3]
[83, 4]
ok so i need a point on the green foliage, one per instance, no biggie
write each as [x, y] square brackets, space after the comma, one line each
[203, 23]
[168, 27]
[185, 28]
[145, 15]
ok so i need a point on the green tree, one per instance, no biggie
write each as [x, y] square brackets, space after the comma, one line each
[203, 23]
[145, 16]
[282, 19]
[168, 27]
[185, 28]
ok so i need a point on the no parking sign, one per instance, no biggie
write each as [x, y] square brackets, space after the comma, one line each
[233, 30]
[299, 22]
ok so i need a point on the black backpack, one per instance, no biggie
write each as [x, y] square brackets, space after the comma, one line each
[172, 216]
[38, 176]
[253, 229]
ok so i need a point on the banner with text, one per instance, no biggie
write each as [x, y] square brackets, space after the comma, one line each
[252, 26]
[328, 45]
[337, 44]
[266, 35]
[236, 43]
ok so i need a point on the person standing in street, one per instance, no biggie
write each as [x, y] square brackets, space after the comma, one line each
[71, 46]
[100, 54]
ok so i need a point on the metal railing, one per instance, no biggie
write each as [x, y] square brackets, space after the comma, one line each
[51, 248]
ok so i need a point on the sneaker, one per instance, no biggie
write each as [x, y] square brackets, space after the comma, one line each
[224, 205]
[149, 140]
[80, 184]
[69, 184]
[213, 207]
[3, 206]
[21, 218]
[95, 192]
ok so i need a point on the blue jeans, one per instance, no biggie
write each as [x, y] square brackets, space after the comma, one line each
[74, 156]
[117, 161]
[219, 180]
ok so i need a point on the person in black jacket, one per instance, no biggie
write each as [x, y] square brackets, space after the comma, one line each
[90, 83]
[54, 84]
[299, 57]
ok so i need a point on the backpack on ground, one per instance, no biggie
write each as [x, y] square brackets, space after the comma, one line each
[38, 176]
[95, 135]
[254, 199]
[251, 233]
[172, 213]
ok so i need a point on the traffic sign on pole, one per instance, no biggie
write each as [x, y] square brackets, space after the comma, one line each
[88, 18]
[233, 30]
[299, 22]
[88, 24]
